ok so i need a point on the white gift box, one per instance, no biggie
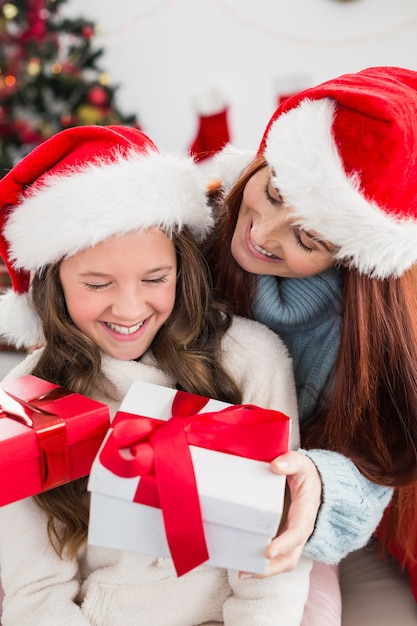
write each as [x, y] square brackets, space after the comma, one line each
[241, 499]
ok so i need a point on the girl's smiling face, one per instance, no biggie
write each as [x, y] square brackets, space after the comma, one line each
[267, 240]
[120, 292]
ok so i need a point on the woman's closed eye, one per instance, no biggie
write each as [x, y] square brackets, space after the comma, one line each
[272, 194]
[300, 243]
[310, 243]
[303, 240]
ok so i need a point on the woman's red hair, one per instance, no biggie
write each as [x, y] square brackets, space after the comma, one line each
[371, 415]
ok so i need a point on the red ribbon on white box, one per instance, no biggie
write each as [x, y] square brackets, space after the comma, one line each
[158, 451]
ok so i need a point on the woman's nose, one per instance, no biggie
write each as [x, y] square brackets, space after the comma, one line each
[270, 225]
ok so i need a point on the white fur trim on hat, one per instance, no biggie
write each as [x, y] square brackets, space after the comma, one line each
[76, 210]
[310, 176]
[229, 164]
[19, 324]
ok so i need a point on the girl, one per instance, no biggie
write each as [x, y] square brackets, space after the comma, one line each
[318, 241]
[106, 226]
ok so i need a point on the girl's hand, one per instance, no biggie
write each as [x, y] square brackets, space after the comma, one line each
[303, 501]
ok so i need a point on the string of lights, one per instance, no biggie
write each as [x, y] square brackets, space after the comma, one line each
[241, 17]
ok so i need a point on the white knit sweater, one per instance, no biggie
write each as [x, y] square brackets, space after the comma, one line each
[114, 588]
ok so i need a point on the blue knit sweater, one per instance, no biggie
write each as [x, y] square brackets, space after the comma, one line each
[304, 312]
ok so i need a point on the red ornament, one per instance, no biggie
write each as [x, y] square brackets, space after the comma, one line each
[7, 130]
[98, 96]
[71, 69]
[36, 29]
[67, 120]
[87, 32]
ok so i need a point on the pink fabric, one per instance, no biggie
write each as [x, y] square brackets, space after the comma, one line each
[324, 603]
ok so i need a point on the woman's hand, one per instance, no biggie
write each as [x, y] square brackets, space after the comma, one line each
[303, 501]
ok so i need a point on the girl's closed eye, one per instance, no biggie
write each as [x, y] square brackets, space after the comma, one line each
[96, 286]
[156, 280]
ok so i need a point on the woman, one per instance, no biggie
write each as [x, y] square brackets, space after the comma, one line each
[317, 240]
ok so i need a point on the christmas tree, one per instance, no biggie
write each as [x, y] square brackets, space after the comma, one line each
[49, 77]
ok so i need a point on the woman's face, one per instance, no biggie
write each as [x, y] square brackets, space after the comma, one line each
[266, 239]
[120, 292]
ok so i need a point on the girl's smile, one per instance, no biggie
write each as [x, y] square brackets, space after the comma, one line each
[125, 330]
[121, 291]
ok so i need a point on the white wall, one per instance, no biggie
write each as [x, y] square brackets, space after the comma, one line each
[165, 54]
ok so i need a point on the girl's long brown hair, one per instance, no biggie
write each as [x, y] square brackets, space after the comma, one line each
[188, 347]
[371, 415]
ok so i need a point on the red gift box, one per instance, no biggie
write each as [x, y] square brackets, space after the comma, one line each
[48, 436]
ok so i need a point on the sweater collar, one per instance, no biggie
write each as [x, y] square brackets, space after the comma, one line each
[289, 304]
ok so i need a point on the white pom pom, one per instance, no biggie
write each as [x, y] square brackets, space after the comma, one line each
[19, 324]
[229, 164]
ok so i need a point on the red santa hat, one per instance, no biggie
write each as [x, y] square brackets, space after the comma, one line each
[80, 187]
[344, 158]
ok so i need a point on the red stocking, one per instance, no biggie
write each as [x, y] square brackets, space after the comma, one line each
[213, 131]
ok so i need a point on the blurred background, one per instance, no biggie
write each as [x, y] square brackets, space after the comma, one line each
[168, 63]
[168, 55]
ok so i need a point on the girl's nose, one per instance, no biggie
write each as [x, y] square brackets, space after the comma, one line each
[129, 305]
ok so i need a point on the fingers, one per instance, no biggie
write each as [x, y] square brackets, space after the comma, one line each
[285, 562]
[305, 491]
[299, 518]
[292, 463]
